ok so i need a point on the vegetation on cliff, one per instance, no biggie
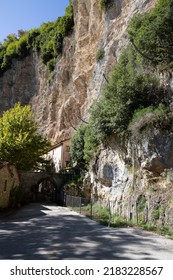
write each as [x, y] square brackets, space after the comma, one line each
[129, 89]
[20, 142]
[84, 143]
[103, 4]
[77, 146]
[46, 40]
[151, 34]
[133, 90]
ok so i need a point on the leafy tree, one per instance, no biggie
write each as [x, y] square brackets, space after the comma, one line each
[10, 53]
[100, 54]
[20, 142]
[46, 40]
[32, 39]
[152, 34]
[47, 52]
[10, 38]
[22, 50]
[58, 43]
[77, 147]
[84, 143]
[128, 89]
[92, 139]
[21, 33]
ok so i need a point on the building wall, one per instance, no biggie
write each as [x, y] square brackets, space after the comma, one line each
[60, 155]
[66, 153]
[55, 156]
[9, 179]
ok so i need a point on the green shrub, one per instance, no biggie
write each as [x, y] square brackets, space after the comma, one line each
[51, 64]
[10, 53]
[128, 90]
[22, 49]
[152, 34]
[58, 43]
[100, 210]
[156, 214]
[100, 54]
[141, 203]
[92, 140]
[146, 116]
[47, 40]
[77, 147]
[103, 4]
[32, 39]
[84, 144]
[47, 52]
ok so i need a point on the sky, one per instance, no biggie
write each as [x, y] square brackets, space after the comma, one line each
[28, 14]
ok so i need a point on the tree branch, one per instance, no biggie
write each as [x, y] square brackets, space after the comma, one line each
[82, 120]
[105, 78]
[140, 52]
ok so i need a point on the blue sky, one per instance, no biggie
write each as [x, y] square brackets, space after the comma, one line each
[27, 14]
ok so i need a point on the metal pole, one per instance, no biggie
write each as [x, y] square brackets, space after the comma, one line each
[80, 201]
[91, 202]
[137, 213]
[109, 222]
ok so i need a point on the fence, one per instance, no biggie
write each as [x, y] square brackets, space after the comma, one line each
[104, 212]
[76, 201]
[92, 209]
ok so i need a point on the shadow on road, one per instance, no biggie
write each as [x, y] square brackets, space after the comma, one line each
[35, 233]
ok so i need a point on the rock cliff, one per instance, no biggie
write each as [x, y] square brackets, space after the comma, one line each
[60, 101]
[137, 181]
[134, 180]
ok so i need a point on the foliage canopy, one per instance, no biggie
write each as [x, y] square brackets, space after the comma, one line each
[152, 34]
[77, 146]
[20, 142]
[129, 89]
[84, 143]
[47, 40]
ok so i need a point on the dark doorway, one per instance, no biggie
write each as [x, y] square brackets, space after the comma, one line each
[45, 191]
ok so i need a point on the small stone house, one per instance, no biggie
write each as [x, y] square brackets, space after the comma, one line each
[59, 154]
[9, 179]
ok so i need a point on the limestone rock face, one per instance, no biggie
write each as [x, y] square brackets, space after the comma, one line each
[19, 84]
[60, 101]
[156, 151]
[142, 172]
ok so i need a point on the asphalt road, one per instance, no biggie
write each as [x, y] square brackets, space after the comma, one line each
[48, 232]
